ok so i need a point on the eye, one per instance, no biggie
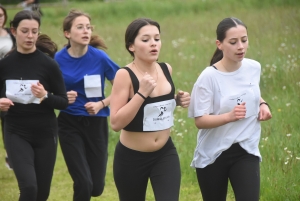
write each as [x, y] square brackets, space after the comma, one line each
[89, 28]
[244, 41]
[157, 39]
[80, 27]
[145, 40]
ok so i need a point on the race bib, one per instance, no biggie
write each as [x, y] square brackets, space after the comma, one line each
[247, 96]
[92, 86]
[159, 115]
[19, 91]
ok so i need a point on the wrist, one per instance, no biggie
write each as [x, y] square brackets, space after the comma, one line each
[265, 103]
[103, 104]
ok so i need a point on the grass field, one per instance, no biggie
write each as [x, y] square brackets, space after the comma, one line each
[188, 42]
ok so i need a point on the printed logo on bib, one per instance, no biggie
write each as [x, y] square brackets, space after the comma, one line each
[159, 115]
[19, 91]
[228, 103]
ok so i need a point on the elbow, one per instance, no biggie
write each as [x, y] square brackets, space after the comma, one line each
[114, 125]
[64, 105]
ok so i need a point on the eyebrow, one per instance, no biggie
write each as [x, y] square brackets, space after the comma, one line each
[238, 38]
[151, 35]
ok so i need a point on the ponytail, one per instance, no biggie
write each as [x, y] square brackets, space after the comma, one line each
[46, 45]
[97, 42]
[218, 55]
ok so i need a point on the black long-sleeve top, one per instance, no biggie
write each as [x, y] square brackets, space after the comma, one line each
[34, 66]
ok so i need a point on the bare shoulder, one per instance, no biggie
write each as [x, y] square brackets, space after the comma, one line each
[169, 67]
[122, 78]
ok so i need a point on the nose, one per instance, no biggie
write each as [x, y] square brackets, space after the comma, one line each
[240, 45]
[30, 34]
[153, 42]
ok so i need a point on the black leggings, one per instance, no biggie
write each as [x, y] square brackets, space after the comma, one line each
[240, 167]
[33, 160]
[84, 142]
[132, 169]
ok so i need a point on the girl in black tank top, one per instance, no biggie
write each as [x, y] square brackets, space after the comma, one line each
[142, 103]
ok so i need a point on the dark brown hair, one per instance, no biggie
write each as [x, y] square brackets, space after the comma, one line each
[134, 28]
[222, 28]
[44, 42]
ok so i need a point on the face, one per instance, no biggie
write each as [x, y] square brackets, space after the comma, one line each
[2, 18]
[235, 45]
[80, 32]
[147, 44]
[26, 35]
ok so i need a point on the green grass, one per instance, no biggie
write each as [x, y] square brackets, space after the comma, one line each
[188, 38]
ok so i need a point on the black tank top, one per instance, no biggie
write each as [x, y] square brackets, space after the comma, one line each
[136, 125]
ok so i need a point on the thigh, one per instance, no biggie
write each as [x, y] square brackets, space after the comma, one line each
[21, 156]
[213, 179]
[131, 174]
[245, 178]
[73, 149]
[165, 176]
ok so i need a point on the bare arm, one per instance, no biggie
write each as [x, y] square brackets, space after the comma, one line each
[122, 112]
[213, 121]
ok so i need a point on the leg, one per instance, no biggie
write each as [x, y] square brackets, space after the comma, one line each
[213, 179]
[131, 173]
[245, 178]
[96, 142]
[45, 156]
[73, 150]
[21, 155]
[165, 175]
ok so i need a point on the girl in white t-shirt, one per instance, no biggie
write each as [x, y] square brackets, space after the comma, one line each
[227, 107]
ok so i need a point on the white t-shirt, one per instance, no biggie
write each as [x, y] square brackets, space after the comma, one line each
[217, 92]
[6, 44]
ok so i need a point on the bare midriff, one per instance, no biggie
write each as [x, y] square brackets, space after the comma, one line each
[144, 141]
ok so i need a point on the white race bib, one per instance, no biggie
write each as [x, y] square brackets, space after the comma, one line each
[92, 86]
[19, 91]
[159, 115]
[247, 96]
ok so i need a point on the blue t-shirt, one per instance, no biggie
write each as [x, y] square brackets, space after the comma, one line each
[94, 62]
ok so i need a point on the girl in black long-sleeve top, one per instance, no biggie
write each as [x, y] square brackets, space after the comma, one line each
[31, 87]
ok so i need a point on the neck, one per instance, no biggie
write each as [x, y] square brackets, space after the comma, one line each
[230, 66]
[77, 51]
[145, 66]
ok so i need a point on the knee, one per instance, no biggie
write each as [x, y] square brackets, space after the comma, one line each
[29, 191]
[98, 190]
[84, 185]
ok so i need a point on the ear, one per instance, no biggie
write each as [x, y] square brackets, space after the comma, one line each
[13, 31]
[219, 45]
[131, 48]
[67, 34]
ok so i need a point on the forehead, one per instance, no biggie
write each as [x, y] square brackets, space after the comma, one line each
[148, 30]
[236, 32]
[81, 20]
[29, 24]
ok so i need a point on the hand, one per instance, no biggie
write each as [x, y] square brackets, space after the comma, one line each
[71, 96]
[238, 112]
[264, 113]
[183, 99]
[147, 85]
[93, 107]
[5, 104]
[38, 90]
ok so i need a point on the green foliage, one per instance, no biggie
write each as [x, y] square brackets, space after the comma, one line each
[188, 42]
